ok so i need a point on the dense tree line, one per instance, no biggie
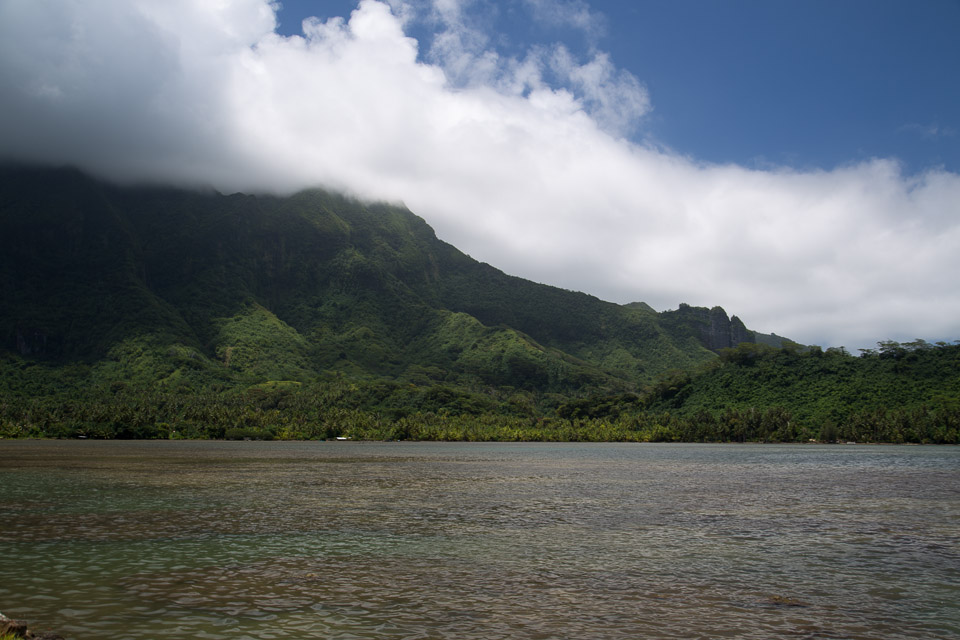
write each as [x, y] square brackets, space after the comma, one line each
[897, 393]
[373, 410]
[171, 419]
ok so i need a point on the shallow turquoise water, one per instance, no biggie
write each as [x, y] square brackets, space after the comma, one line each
[446, 540]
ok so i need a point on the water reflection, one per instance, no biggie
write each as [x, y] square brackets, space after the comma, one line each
[402, 540]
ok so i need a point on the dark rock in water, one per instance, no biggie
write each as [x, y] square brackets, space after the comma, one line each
[13, 627]
[786, 601]
[18, 629]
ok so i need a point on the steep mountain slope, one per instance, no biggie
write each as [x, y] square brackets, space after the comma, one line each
[156, 286]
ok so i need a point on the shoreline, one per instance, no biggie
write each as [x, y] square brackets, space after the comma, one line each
[810, 442]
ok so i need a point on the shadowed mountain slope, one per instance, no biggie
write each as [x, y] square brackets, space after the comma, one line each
[159, 286]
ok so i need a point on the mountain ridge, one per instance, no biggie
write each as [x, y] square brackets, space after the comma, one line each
[268, 287]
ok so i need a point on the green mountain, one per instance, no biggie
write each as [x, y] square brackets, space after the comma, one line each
[181, 289]
[158, 312]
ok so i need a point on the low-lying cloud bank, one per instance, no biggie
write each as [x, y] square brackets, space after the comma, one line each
[532, 175]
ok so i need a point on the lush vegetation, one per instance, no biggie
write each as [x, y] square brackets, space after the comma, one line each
[156, 313]
[898, 393]
[751, 394]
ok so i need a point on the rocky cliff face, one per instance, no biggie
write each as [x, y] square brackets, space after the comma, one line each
[712, 327]
[738, 332]
[34, 342]
[720, 332]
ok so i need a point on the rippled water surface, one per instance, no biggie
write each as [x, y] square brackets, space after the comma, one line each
[435, 540]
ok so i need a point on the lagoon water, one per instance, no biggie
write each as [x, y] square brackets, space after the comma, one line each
[258, 540]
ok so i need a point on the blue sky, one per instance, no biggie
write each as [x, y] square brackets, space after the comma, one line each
[795, 162]
[808, 83]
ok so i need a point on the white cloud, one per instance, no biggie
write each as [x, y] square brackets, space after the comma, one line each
[615, 98]
[569, 13]
[514, 170]
[933, 131]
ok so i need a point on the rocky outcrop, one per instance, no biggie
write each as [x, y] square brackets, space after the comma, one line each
[31, 342]
[739, 332]
[712, 327]
[18, 629]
